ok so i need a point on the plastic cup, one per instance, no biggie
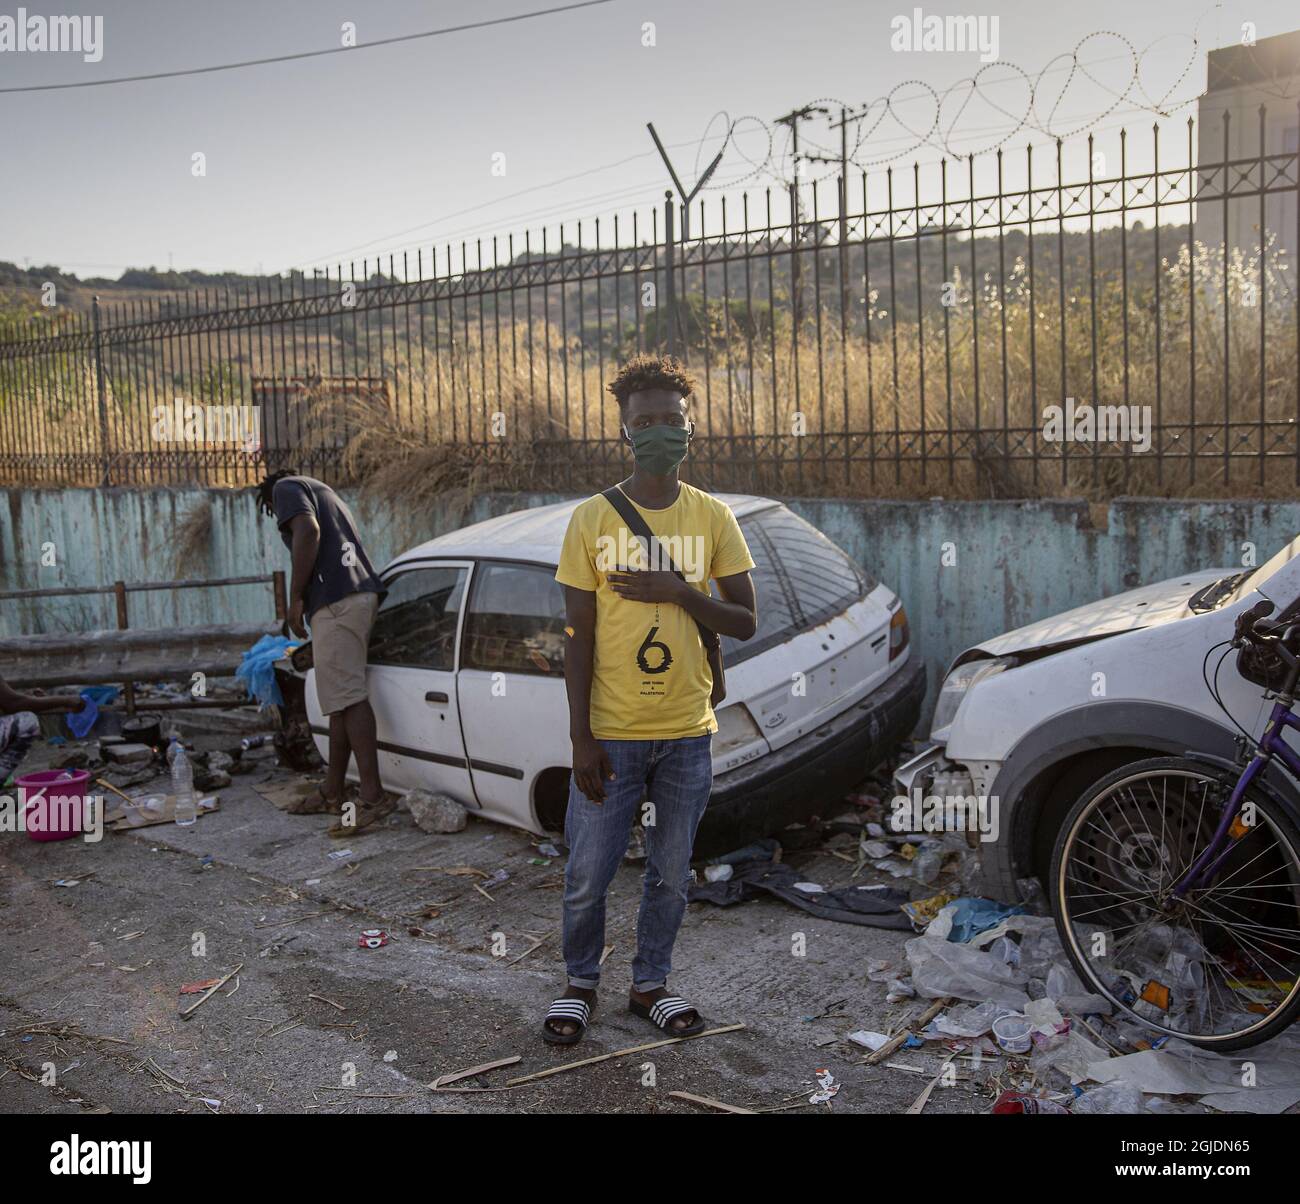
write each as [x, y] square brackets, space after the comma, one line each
[1013, 1033]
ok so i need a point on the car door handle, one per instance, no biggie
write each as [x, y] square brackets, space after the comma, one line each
[436, 696]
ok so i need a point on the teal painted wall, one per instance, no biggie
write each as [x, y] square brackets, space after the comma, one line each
[1015, 561]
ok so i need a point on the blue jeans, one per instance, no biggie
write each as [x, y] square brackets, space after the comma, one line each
[674, 777]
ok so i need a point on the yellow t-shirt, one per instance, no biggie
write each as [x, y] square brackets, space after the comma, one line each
[651, 678]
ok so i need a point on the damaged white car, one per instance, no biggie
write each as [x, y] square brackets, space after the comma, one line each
[1027, 723]
[466, 676]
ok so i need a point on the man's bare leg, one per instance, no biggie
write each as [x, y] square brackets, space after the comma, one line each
[340, 754]
[359, 721]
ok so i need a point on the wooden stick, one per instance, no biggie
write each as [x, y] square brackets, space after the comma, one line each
[185, 1015]
[115, 790]
[619, 1053]
[538, 942]
[916, 1107]
[704, 1101]
[455, 1076]
[920, 1022]
[331, 1002]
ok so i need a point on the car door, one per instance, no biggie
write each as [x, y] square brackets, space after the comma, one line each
[412, 679]
[514, 710]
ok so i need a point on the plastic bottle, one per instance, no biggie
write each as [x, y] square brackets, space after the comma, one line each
[187, 811]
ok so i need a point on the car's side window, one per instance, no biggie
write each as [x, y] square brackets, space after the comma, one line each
[516, 621]
[416, 626]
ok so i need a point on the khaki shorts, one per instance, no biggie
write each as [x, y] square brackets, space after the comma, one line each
[340, 639]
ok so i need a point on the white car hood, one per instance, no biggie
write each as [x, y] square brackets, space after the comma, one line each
[1147, 606]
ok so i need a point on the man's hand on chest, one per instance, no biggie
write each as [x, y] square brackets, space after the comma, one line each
[649, 585]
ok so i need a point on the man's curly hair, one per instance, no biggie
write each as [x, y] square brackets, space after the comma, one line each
[647, 371]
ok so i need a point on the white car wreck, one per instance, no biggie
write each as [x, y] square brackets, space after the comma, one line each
[1026, 723]
[466, 676]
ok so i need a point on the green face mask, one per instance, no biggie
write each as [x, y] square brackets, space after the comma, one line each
[660, 449]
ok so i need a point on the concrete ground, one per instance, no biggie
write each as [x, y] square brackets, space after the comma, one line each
[311, 1022]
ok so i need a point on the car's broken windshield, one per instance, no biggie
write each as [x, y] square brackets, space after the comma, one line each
[1208, 597]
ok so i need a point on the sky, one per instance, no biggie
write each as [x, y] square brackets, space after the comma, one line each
[510, 127]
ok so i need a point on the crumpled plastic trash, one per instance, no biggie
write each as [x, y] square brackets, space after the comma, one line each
[80, 722]
[898, 990]
[1115, 1099]
[1071, 1055]
[970, 916]
[1071, 995]
[868, 1039]
[969, 1021]
[1044, 1016]
[1181, 1069]
[256, 669]
[941, 967]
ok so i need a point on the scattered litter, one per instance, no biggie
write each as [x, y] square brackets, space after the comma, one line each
[923, 911]
[870, 1040]
[752, 878]
[391, 1056]
[1013, 1032]
[548, 850]
[68, 882]
[372, 938]
[1012, 1103]
[194, 988]
[340, 854]
[202, 999]
[827, 1090]
[941, 968]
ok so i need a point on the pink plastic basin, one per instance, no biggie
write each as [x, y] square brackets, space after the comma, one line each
[53, 802]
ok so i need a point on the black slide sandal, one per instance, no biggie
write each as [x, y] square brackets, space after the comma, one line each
[661, 1013]
[577, 1010]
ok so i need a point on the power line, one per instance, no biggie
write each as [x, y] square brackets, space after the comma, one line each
[310, 54]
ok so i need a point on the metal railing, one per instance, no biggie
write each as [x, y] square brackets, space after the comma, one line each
[899, 333]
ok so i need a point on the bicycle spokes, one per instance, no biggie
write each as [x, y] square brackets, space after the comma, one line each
[1212, 959]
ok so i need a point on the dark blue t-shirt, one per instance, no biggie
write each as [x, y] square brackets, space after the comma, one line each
[342, 566]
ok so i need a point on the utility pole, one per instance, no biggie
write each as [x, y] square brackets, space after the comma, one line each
[687, 197]
[792, 119]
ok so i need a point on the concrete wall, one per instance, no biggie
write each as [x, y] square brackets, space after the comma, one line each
[1015, 561]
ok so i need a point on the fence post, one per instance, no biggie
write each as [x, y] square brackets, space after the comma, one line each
[670, 263]
[100, 394]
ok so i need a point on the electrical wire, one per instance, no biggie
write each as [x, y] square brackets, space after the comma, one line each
[309, 54]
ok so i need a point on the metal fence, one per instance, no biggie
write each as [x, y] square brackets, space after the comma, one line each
[892, 333]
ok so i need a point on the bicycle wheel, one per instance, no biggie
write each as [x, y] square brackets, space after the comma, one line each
[1220, 967]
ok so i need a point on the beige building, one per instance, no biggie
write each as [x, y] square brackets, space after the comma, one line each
[1239, 80]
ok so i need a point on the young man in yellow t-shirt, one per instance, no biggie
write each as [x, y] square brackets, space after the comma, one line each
[639, 686]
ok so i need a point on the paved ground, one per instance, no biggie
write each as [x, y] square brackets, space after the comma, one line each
[91, 974]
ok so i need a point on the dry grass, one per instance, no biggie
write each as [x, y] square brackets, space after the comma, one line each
[950, 403]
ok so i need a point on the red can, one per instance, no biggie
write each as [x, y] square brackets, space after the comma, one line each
[372, 938]
[1017, 1103]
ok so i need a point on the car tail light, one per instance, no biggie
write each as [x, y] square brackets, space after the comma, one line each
[897, 633]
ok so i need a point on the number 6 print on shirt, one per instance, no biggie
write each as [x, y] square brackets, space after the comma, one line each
[648, 643]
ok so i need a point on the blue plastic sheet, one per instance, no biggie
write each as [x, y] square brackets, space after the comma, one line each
[972, 916]
[257, 673]
[80, 722]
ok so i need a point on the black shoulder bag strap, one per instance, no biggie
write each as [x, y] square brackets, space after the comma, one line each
[708, 637]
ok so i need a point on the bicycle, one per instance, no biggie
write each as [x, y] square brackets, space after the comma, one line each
[1195, 935]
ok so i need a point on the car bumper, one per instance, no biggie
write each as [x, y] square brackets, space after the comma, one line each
[797, 781]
